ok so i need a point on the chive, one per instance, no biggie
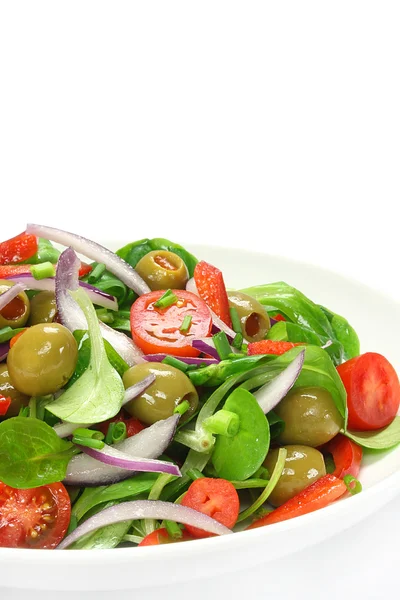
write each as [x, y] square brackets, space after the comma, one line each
[24, 411]
[235, 355]
[175, 362]
[250, 484]
[88, 442]
[222, 345]
[194, 474]
[97, 272]
[32, 407]
[352, 484]
[166, 300]
[186, 324]
[173, 530]
[223, 422]
[43, 270]
[182, 407]
[89, 433]
[119, 432]
[236, 326]
[238, 341]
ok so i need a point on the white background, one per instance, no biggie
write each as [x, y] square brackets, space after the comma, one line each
[271, 126]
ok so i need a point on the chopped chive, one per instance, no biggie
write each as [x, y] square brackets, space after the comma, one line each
[222, 345]
[105, 316]
[25, 411]
[119, 432]
[96, 273]
[194, 474]
[223, 422]
[43, 270]
[352, 484]
[236, 325]
[166, 300]
[237, 341]
[175, 362]
[234, 355]
[244, 349]
[182, 408]
[88, 442]
[173, 530]
[186, 324]
[89, 433]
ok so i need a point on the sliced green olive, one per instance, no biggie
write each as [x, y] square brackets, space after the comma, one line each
[18, 400]
[16, 313]
[163, 270]
[253, 317]
[159, 401]
[43, 359]
[43, 308]
[310, 417]
[303, 466]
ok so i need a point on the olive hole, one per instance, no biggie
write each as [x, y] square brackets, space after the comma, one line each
[14, 309]
[253, 324]
[165, 263]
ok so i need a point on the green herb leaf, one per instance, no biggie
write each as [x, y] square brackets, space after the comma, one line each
[45, 253]
[382, 439]
[31, 453]
[344, 333]
[97, 395]
[216, 374]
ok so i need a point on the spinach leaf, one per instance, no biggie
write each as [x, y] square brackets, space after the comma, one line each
[133, 252]
[344, 333]
[31, 453]
[45, 253]
[110, 284]
[382, 439]
[97, 395]
[276, 424]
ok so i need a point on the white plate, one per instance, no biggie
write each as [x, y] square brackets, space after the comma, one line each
[375, 317]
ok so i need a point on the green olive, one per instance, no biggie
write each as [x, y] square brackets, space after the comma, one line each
[43, 308]
[163, 270]
[43, 359]
[303, 466]
[7, 389]
[159, 401]
[16, 313]
[253, 317]
[310, 417]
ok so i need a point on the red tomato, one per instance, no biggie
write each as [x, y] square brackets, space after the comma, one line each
[347, 456]
[21, 247]
[373, 391]
[271, 347]
[156, 330]
[36, 518]
[161, 536]
[4, 405]
[211, 287]
[317, 495]
[216, 498]
[133, 426]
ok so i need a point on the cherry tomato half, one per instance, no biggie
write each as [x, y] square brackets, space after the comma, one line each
[156, 330]
[133, 425]
[35, 518]
[373, 391]
[216, 498]
[346, 454]
[161, 536]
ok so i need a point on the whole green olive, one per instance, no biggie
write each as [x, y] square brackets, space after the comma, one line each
[303, 466]
[7, 389]
[253, 317]
[310, 417]
[159, 401]
[43, 359]
[16, 313]
[43, 308]
[163, 270]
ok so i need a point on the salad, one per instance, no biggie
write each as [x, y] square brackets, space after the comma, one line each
[143, 402]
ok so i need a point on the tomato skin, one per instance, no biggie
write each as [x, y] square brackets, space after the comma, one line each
[216, 498]
[5, 403]
[211, 288]
[156, 330]
[347, 456]
[271, 347]
[21, 247]
[317, 495]
[161, 536]
[373, 391]
[34, 518]
[133, 425]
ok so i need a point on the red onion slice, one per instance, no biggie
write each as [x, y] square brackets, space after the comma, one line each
[109, 455]
[145, 509]
[10, 294]
[206, 346]
[94, 251]
[97, 296]
[4, 348]
[83, 470]
[188, 360]
[270, 394]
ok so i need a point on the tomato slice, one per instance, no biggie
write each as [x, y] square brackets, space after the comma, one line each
[271, 347]
[21, 247]
[35, 518]
[346, 454]
[161, 536]
[317, 495]
[216, 498]
[133, 425]
[156, 330]
[373, 391]
[211, 287]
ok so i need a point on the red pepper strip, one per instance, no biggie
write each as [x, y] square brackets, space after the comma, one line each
[85, 269]
[16, 337]
[279, 317]
[211, 287]
[347, 455]
[4, 405]
[7, 271]
[317, 495]
[21, 247]
[271, 347]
